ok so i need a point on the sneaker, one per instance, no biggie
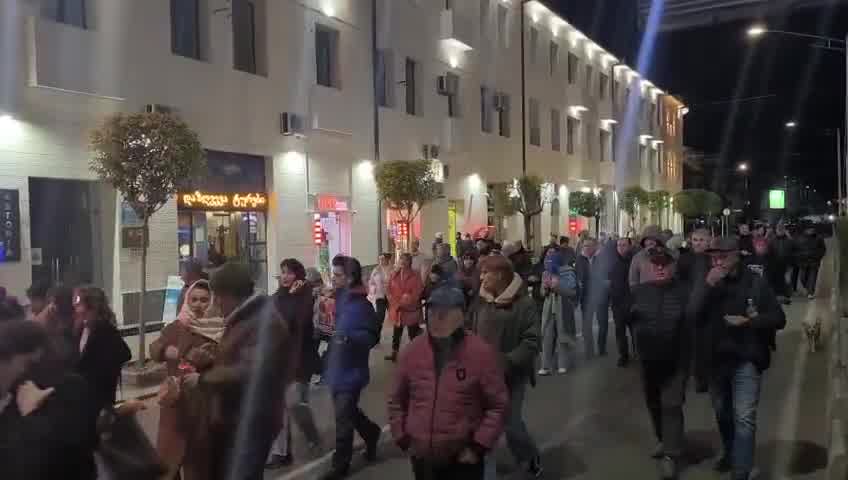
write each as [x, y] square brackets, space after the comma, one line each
[811, 297]
[659, 451]
[534, 468]
[336, 473]
[279, 461]
[562, 371]
[668, 468]
[544, 372]
[723, 464]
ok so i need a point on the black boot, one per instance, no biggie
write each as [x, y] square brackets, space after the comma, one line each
[336, 473]
[668, 468]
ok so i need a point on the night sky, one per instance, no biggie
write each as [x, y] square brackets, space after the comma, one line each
[711, 65]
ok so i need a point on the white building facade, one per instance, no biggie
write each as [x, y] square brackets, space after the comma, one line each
[295, 100]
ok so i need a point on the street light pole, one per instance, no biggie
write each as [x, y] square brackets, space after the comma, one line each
[523, 94]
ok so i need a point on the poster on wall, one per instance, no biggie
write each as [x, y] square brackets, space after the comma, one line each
[172, 298]
[10, 226]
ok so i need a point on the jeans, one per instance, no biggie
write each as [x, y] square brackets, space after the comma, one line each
[382, 306]
[735, 397]
[518, 438]
[555, 340]
[589, 309]
[809, 277]
[411, 330]
[423, 470]
[621, 317]
[664, 385]
[349, 418]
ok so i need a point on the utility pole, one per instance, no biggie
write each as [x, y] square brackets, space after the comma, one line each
[523, 94]
[375, 65]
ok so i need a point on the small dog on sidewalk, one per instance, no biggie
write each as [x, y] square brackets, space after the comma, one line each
[813, 333]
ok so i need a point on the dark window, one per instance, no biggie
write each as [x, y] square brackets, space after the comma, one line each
[589, 72]
[244, 36]
[572, 68]
[554, 57]
[535, 131]
[69, 12]
[411, 93]
[603, 144]
[603, 80]
[643, 159]
[326, 56]
[485, 110]
[484, 17]
[556, 131]
[454, 109]
[185, 31]
[385, 85]
[534, 44]
[502, 25]
[503, 115]
[571, 125]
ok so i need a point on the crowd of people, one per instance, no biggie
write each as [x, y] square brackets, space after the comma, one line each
[482, 328]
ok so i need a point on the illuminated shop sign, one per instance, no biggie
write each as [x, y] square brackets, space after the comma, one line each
[331, 203]
[198, 200]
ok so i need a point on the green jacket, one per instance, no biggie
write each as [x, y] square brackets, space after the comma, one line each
[511, 324]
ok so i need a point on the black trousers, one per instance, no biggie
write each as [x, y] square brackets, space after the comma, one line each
[424, 470]
[382, 306]
[350, 419]
[412, 330]
[621, 317]
[664, 385]
[809, 277]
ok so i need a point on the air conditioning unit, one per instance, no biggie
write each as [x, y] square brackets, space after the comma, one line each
[290, 124]
[157, 108]
[499, 102]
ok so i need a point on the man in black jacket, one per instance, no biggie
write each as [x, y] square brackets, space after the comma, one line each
[692, 269]
[662, 329]
[743, 316]
[620, 296]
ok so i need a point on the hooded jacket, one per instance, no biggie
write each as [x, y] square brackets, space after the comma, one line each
[355, 336]
[509, 323]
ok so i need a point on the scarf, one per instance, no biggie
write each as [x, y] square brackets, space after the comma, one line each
[209, 326]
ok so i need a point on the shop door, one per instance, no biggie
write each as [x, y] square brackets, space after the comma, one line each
[64, 222]
[337, 227]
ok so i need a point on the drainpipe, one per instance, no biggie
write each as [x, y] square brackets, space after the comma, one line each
[523, 95]
[376, 113]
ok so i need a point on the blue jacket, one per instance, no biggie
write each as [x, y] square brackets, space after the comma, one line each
[357, 332]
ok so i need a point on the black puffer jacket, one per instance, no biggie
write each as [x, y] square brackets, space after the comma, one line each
[619, 277]
[750, 343]
[810, 249]
[660, 321]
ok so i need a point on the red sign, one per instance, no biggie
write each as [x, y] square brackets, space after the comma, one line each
[331, 203]
[317, 230]
[572, 225]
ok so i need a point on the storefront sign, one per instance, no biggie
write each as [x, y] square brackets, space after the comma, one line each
[331, 203]
[10, 226]
[222, 201]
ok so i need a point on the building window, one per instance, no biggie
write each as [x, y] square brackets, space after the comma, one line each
[326, 56]
[659, 158]
[454, 108]
[411, 91]
[535, 131]
[626, 98]
[244, 36]
[554, 58]
[484, 17]
[503, 114]
[572, 68]
[603, 81]
[556, 131]
[643, 156]
[571, 125]
[385, 85]
[185, 31]
[604, 144]
[589, 72]
[486, 109]
[655, 161]
[534, 44]
[69, 12]
[616, 87]
[502, 25]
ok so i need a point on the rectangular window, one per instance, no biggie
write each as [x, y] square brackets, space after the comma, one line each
[554, 58]
[655, 161]
[502, 25]
[572, 68]
[503, 115]
[486, 109]
[603, 81]
[616, 88]
[185, 31]
[244, 36]
[653, 117]
[643, 156]
[454, 108]
[411, 92]
[69, 12]
[659, 158]
[571, 125]
[589, 72]
[626, 99]
[326, 56]
[535, 131]
[385, 85]
[534, 44]
[603, 145]
[484, 18]
[556, 131]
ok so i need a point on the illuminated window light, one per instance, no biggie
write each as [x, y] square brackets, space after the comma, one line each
[454, 62]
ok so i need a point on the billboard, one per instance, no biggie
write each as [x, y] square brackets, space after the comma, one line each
[777, 199]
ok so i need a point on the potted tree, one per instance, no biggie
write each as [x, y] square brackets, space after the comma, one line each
[406, 187]
[146, 157]
[631, 200]
[587, 204]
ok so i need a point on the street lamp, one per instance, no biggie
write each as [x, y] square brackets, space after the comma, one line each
[756, 31]
[743, 167]
[791, 124]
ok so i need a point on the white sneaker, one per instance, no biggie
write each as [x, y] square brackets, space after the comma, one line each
[562, 371]
[544, 372]
[811, 297]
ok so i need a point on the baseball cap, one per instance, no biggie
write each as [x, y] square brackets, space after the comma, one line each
[448, 296]
[723, 245]
[660, 255]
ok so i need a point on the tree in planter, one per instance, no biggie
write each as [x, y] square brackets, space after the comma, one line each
[406, 187]
[530, 194]
[656, 202]
[631, 200]
[147, 157]
[587, 204]
[696, 202]
[504, 203]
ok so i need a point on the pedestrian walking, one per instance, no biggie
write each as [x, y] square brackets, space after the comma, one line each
[378, 287]
[746, 239]
[248, 378]
[663, 330]
[743, 316]
[323, 317]
[520, 258]
[191, 270]
[569, 256]
[468, 276]
[420, 262]
[692, 270]
[783, 247]
[405, 292]
[102, 350]
[811, 249]
[186, 345]
[438, 241]
[348, 371]
[293, 300]
[47, 415]
[559, 335]
[445, 261]
[507, 319]
[640, 267]
[620, 297]
[593, 278]
[443, 376]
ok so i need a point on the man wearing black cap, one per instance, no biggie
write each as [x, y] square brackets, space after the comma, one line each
[742, 316]
[662, 330]
[443, 376]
